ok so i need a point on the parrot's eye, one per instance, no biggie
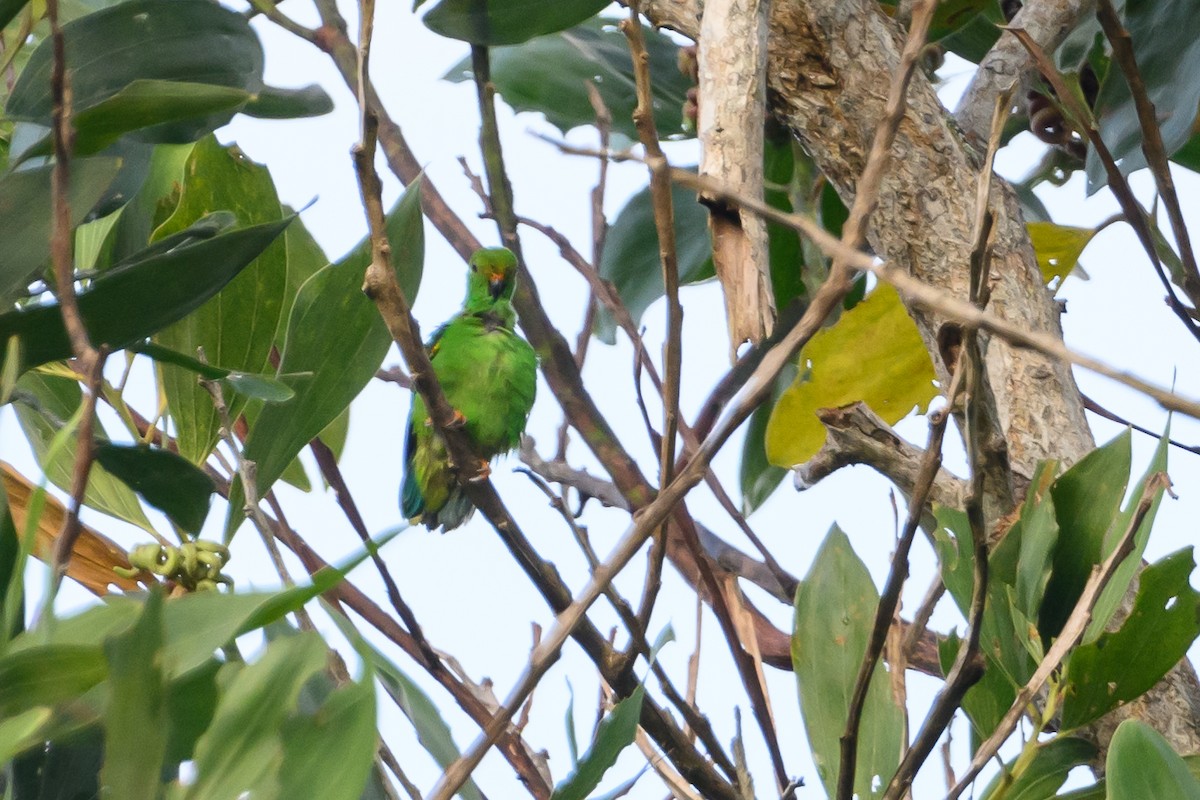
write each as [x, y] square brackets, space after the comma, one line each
[474, 268]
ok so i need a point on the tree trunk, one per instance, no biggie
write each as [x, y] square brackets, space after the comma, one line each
[830, 63]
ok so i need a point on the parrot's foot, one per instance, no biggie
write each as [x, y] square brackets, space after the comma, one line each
[456, 422]
[483, 470]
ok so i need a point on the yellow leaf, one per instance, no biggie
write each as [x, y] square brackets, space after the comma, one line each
[1057, 247]
[873, 354]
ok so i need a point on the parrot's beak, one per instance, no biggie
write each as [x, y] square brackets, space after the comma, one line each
[496, 286]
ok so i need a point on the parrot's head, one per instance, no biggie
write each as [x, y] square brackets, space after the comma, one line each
[492, 277]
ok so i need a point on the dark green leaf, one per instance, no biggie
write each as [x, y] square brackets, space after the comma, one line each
[1005, 637]
[153, 202]
[1119, 666]
[550, 74]
[1045, 773]
[135, 721]
[47, 675]
[25, 217]
[1141, 765]
[835, 610]
[987, 700]
[615, 732]
[149, 107]
[48, 401]
[1113, 594]
[236, 753]
[631, 261]
[261, 387]
[140, 296]
[191, 702]
[499, 22]
[9, 10]
[1086, 500]
[341, 365]
[786, 252]
[159, 40]
[967, 28]
[165, 480]
[65, 770]
[1168, 57]
[341, 732]
[236, 329]
[275, 103]
[11, 578]
[759, 477]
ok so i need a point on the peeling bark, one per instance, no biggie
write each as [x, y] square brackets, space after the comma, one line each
[732, 106]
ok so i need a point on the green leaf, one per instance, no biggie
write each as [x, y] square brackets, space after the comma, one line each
[342, 733]
[177, 41]
[48, 675]
[1141, 764]
[630, 260]
[22, 731]
[149, 104]
[1168, 56]
[759, 477]
[967, 28]
[785, 250]
[986, 702]
[835, 611]
[1086, 500]
[872, 354]
[1057, 247]
[432, 731]
[550, 73]
[1119, 666]
[52, 400]
[191, 703]
[237, 327]
[140, 296]
[135, 721]
[1045, 773]
[164, 479]
[500, 22]
[263, 388]
[236, 753]
[9, 10]
[150, 205]
[275, 103]
[260, 387]
[341, 365]
[25, 217]
[615, 732]
[12, 577]
[64, 770]
[1113, 595]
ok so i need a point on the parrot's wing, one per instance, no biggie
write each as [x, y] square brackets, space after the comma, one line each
[412, 502]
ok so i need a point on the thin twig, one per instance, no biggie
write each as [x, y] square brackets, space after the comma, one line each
[90, 360]
[967, 668]
[327, 463]
[1152, 143]
[1135, 215]
[1073, 630]
[246, 471]
[664, 224]
[889, 600]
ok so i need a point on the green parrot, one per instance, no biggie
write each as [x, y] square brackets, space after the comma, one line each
[489, 375]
